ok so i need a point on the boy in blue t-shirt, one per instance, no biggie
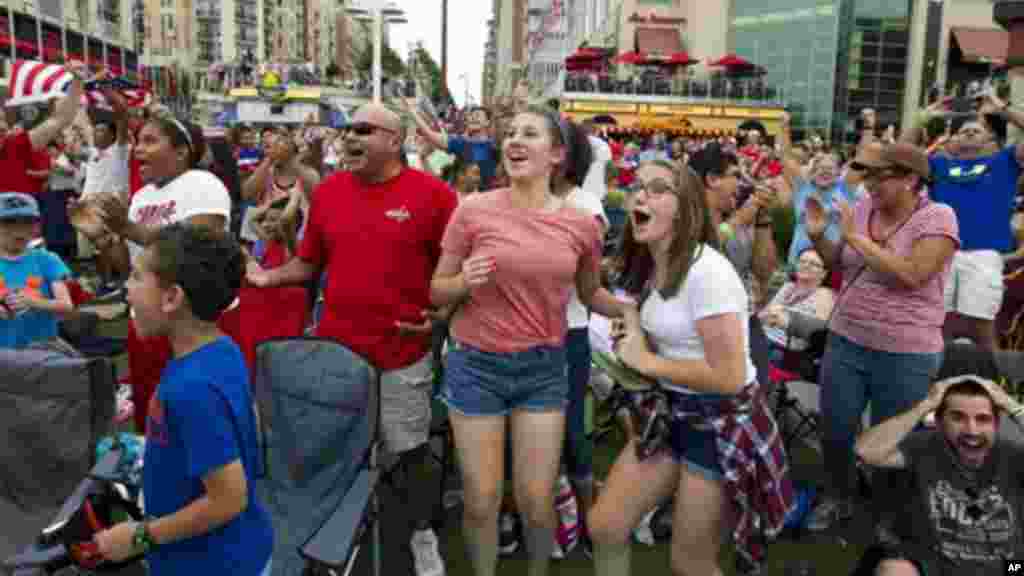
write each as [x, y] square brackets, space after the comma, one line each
[33, 293]
[201, 440]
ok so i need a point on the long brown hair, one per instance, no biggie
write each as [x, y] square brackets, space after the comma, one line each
[692, 228]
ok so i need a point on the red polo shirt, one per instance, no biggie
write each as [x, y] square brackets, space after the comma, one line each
[40, 161]
[380, 244]
[15, 162]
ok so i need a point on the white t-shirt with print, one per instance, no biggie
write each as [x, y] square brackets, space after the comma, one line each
[588, 203]
[193, 193]
[711, 288]
[107, 171]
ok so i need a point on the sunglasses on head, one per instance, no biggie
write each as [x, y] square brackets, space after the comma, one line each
[366, 129]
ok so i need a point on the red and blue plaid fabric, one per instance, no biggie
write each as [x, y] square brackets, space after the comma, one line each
[754, 465]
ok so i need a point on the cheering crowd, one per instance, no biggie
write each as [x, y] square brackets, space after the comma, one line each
[486, 250]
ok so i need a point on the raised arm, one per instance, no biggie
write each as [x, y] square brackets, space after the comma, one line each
[435, 138]
[64, 112]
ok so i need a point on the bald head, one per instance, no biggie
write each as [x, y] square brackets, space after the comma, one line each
[374, 144]
[378, 115]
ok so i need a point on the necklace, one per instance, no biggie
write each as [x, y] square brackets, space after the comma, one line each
[884, 242]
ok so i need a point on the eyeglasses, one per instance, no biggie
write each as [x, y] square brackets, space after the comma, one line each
[366, 129]
[812, 264]
[654, 188]
[882, 174]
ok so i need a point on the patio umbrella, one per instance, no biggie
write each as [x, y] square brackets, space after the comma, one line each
[732, 61]
[681, 59]
[630, 58]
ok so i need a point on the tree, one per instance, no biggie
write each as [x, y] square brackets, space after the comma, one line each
[332, 70]
[390, 62]
[424, 64]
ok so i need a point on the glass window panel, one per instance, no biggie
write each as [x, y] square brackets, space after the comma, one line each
[893, 83]
[894, 67]
[868, 51]
[897, 52]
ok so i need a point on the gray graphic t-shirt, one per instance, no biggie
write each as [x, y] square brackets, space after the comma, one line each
[963, 524]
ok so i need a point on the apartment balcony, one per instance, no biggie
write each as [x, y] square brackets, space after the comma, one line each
[247, 16]
[207, 13]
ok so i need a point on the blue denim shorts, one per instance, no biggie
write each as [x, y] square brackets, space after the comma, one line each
[478, 383]
[693, 439]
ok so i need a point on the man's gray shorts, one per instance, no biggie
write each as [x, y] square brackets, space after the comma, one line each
[405, 406]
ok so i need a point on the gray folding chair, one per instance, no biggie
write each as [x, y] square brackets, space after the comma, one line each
[319, 408]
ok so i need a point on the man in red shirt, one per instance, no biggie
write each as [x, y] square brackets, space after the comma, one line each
[377, 231]
[16, 147]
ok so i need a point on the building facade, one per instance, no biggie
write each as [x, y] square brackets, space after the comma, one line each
[100, 32]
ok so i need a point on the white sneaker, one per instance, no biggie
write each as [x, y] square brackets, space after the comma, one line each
[643, 533]
[557, 553]
[425, 553]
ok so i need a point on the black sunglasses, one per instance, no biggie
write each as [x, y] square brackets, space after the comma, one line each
[366, 129]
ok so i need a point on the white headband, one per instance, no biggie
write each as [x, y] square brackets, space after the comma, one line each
[184, 132]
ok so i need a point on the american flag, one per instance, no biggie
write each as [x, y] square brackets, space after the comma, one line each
[33, 82]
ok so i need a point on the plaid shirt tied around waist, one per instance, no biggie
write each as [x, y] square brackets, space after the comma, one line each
[754, 464]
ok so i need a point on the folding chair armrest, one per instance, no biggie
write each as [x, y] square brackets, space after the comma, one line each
[106, 468]
[804, 325]
[332, 544]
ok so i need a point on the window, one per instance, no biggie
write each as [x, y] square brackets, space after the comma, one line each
[894, 52]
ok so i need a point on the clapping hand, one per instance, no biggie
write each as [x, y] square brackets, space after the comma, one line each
[815, 218]
[631, 346]
[114, 212]
[478, 270]
[847, 225]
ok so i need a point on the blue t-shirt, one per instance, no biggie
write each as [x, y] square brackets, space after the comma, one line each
[482, 152]
[828, 200]
[981, 192]
[200, 419]
[33, 325]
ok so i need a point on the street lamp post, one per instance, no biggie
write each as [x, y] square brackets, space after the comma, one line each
[378, 11]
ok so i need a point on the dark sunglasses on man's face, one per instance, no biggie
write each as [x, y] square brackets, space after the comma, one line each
[367, 129]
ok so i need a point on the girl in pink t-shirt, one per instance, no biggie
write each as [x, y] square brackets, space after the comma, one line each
[886, 331]
[510, 260]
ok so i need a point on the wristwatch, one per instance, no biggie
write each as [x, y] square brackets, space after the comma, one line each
[142, 540]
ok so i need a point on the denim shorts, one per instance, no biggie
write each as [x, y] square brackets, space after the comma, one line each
[693, 439]
[478, 383]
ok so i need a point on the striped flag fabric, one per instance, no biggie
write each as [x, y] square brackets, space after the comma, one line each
[34, 82]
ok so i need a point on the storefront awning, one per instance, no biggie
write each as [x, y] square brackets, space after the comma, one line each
[664, 41]
[984, 45]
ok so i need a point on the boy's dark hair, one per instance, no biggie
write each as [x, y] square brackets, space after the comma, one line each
[712, 160]
[206, 263]
[965, 388]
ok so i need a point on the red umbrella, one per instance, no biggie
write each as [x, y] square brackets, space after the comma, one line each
[732, 61]
[681, 59]
[630, 58]
[588, 54]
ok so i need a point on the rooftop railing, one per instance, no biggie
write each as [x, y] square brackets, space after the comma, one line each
[749, 90]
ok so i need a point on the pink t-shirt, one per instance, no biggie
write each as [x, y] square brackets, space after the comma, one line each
[878, 311]
[537, 255]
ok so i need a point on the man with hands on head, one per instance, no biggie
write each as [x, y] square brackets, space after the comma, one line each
[965, 510]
